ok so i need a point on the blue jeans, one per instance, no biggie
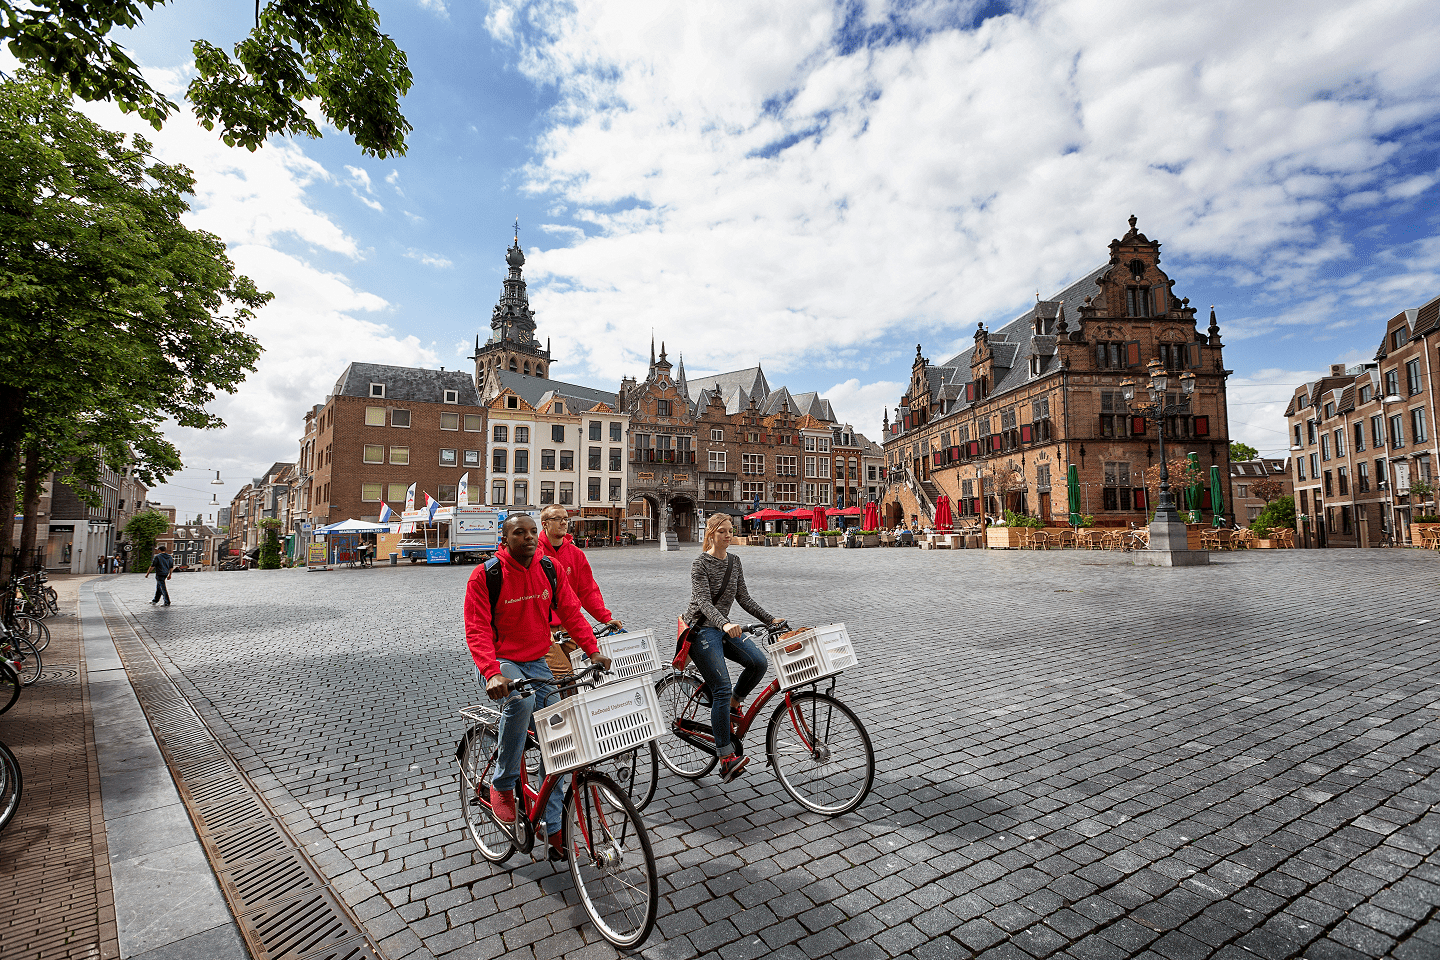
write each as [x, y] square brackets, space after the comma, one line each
[710, 649]
[161, 590]
[514, 723]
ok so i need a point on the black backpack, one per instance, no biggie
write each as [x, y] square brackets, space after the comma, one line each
[495, 579]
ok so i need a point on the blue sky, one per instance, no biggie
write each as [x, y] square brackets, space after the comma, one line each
[820, 186]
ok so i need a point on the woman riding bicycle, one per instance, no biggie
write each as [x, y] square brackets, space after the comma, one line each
[716, 581]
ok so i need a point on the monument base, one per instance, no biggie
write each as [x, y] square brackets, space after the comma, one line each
[1171, 558]
[668, 541]
[1170, 545]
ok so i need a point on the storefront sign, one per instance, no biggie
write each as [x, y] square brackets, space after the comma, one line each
[644, 476]
[315, 556]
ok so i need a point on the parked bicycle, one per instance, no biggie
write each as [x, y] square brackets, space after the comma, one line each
[10, 779]
[816, 745]
[605, 840]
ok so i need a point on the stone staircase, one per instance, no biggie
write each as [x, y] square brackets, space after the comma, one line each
[669, 541]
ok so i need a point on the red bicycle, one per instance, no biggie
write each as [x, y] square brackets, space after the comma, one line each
[816, 745]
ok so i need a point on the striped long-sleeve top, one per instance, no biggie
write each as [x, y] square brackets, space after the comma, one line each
[706, 575]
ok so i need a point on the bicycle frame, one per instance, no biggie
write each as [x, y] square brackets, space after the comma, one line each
[748, 717]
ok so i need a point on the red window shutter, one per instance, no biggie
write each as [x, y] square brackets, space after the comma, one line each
[907, 421]
[1192, 355]
[1027, 435]
[954, 453]
[970, 392]
[1140, 498]
[1202, 426]
[1205, 498]
[1137, 426]
[975, 505]
[994, 441]
[1132, 353]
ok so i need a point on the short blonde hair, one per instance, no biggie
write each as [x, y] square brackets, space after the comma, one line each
[712, 525]
[552, 511]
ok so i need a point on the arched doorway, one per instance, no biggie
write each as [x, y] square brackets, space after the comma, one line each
[648, 515]
[682, 519]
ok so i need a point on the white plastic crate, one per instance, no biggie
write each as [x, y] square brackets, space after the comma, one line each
[598, 723]
[631, 654]
[811, 654]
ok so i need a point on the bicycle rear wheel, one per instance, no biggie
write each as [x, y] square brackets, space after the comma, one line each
[52, 600]
[821, 753]
[9, 686]
[477, 763]
[10, 784]
[610, 859]
[24, 658]
[636, 770]
[34, 631]
[684, 706]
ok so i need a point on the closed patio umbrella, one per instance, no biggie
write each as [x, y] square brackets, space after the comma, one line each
[1217, 500]
[872, 517]
[1192, 490]
[943, 520]
[817, 519]
[1072, 481]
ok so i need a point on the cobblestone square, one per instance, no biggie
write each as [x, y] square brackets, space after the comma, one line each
[1075, 757]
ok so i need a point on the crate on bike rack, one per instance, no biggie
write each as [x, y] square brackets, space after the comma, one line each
[631, 655]
[811, 654]
[597, 723]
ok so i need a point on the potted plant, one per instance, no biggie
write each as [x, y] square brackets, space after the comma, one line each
[1278, 513]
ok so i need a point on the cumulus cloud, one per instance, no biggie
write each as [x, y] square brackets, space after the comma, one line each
[780, 180]
[429, 259]
[863, 405]
[436, 7]
[1257, 407]
[360, 180]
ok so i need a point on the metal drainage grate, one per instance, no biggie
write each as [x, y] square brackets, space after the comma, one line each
[282, 904]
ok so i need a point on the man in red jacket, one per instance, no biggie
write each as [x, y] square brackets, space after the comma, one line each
[509, 642]
[557, 544]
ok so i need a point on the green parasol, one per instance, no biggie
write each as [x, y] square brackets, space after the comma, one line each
[1192, 489]
[1217, 500]
[1072, 480]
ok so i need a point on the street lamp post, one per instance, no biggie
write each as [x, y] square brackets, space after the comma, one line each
[1169, 544]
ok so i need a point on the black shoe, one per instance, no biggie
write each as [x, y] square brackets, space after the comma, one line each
[165, 604]
[731, 767]
[153, 602]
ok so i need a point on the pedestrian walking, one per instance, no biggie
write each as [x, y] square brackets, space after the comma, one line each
[163, 566]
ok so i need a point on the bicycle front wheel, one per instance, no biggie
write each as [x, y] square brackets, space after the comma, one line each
[24, 658]
[821, 753]
[684, 707]
[33, 630]
[477, 765]
[610, 859]
[636, 770]
[10, 784]
[9, 686]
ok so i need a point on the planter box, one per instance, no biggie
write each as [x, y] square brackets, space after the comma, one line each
[1005, 538]
[1265, 545]
[870, 540]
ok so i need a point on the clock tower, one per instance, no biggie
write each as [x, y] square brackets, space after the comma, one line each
[512, 346]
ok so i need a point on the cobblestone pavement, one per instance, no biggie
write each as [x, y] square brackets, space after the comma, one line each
[1076, 757]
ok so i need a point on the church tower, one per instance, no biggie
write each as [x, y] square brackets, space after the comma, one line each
[512, 345]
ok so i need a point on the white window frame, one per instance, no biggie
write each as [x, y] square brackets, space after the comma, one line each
[456, 421]
[408, 418]
[377, 391]
[717, 461]
[406, 453]
[378, 421]
[717, 434]
[365, 453]
[454, 457]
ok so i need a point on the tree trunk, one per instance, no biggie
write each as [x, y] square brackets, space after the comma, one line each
[33, 477]
[12, 405]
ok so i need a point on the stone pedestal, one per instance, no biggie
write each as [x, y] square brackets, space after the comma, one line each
[1169, 546]
[668, 541]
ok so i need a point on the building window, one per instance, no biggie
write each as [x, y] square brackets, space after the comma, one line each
[374, 453]
[810, 466]
[1418, 433]
[1397, 431]
[1366, 393]
[522, 434]
[1310, 432]
[823, 444]
[377, 390]
[614, 489]
[615, 460]
[662, 408]
[592, 489]
[1343, 479]
[567, 459]
[445, 493]
[1137, 301]
[717, 434]
[1362, 477]
[499, 461]
[1117, 356]
[512, 403]
[567, 493]
[447, 459]
[595, 429]
[547, 492]
[497, 492]
[522, 461]
[786, 466]
[717, 461]
[547, 459]
[449, 421]
[1377, 432]
[399, 418]
[1412, 376]
[400, 455]
[396, 493]
[753, 491]
[472, 458]
[370, 492]
[786, 493]
[474, 423]
[810, 444]
[1244, 491]
[752, 464]
[1324, 446]
[717, 490]
[1380, 478]
[1315, 465]
[1340, 442]
[1392, 383]
[1329, 491]
[1359, 437]
[374, 416]
[501, 433]
[1397, 339]
[452, 396]
[522, 493]
[1118, 492]
[615, 435]
[593, 458]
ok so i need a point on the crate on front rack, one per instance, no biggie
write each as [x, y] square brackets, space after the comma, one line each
[631, 655]
[598, 723]
[811, 654]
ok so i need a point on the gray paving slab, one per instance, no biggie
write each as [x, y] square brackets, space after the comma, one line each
[167, 901]
[1076, 756]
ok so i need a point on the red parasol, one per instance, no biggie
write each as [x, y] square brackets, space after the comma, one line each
[817, 518]
[943, 520]
[768, 514]
[799, 513]
[872, 517]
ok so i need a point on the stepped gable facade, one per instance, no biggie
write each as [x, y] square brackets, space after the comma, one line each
[661, 447]
[996, 426]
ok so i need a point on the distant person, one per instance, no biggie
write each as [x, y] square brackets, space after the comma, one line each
[163, 566]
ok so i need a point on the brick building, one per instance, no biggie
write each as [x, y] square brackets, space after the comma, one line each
[997, 426]
[383, 428]
[1363, 443]
[1245, 504]
[661, 450]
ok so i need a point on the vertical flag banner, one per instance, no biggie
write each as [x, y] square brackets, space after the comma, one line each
[462, 498]
[410, 498]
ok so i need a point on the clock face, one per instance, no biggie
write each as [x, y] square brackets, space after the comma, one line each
[524, 336]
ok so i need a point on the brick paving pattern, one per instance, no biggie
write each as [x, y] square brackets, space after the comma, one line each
[55, 895]
[1076, 758]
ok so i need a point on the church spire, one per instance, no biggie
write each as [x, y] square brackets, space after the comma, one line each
[680, 379]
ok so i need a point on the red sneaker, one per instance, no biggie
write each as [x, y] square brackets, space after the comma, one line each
[558, 853]
[503, 803]
[731, 767]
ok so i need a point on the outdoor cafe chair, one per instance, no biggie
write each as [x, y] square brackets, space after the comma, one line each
[1065, 538]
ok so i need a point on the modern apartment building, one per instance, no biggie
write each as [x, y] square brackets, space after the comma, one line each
[1245, 502]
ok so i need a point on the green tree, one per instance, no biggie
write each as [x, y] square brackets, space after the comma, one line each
[270, 548]
[1277, 513]
[113, 314]
[1243, 452]
[142, 529]
[329, 51]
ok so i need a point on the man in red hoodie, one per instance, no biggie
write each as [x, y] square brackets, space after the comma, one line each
[557, 544]
[509, 642]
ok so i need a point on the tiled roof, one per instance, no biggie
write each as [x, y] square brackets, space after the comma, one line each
[533, 389]
[406, 384]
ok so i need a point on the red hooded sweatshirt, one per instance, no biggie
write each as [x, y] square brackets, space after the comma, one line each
[522, 615]
[571, 559]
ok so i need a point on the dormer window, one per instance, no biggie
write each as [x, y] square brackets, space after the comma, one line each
[512, 403]
[452, 396]
[377, 390]
[1037, 362]
[1397, 338]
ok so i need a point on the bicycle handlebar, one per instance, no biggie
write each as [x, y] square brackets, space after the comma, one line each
[585, 675]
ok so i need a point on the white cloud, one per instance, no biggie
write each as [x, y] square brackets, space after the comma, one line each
[1257, 407]
[753, 187]
[436, 7]
[360, 180]
[863, 405]
[429, 259]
